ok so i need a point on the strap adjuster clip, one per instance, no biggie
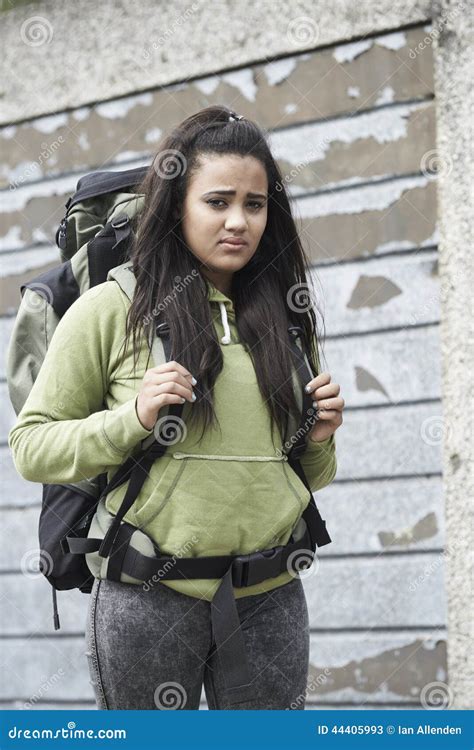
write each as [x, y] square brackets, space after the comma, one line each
[64, 544]
[120, 221]
[256, 567]
[240, 570]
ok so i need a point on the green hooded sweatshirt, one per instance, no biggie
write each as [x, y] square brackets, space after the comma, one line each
[233, 493]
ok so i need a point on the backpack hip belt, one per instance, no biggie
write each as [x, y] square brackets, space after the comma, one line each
[234, 570]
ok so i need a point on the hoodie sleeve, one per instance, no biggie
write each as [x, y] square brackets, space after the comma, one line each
[63, 434]
[319, 462]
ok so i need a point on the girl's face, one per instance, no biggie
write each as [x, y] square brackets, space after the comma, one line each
[226, 199]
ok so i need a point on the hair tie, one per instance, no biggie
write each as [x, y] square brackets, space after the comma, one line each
[235, 116]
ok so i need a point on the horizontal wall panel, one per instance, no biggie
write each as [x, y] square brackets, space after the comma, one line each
[367, 221]
[14, 490]
[365, 517]
[7, 414]
[6, 328]
[374, 667]
[395, 292]
[392, 441]
[343, 224]
[393, 591]
[383, 292]
[383, 516]
[373, 442]
[45, 668]
[375, 369]
[379, 668]
[384, 142]
[10, 295]
[405, 590]
[386, 368]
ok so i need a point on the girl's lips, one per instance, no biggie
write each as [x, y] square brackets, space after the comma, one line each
[234, 242]
[232, 246]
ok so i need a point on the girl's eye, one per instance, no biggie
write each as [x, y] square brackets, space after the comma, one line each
[213, 201]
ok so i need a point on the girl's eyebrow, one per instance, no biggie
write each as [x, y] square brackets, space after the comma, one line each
[232, 192]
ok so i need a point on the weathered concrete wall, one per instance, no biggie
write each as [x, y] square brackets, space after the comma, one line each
[123, 47]
[347, 94]
[453, 56]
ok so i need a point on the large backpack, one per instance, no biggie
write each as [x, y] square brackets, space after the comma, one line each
[94, 240]
[93, 237]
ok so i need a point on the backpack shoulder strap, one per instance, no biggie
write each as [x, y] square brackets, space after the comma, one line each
[123, 275]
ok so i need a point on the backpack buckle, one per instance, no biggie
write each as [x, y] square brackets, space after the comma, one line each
[162, 329]
[64, 544]
[256, 567]
[240, 569]
[295, 331]
[120, 221]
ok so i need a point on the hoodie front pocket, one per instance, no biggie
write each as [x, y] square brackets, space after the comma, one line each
[156, 494]
[298, 488]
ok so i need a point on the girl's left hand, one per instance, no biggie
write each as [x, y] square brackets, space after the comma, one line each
[329, 406]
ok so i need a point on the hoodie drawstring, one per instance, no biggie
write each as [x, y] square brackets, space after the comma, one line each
[226, 338]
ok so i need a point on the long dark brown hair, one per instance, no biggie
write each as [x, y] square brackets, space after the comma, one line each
[267, 292]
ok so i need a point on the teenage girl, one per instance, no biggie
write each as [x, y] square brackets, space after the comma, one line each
[216, 254]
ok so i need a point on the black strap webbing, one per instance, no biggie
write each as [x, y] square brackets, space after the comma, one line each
[316, 525]
[117, 556]
[229, 640]
[137, 469]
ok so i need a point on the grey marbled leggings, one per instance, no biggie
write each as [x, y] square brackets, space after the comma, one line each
[154, 649]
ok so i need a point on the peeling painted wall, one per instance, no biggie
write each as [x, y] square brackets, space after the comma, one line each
[351, 117]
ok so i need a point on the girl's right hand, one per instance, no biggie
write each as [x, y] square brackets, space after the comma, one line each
[170, 383]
